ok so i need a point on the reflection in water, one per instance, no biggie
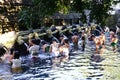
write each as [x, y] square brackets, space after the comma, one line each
[57, 62]
[79, 66]
[76, 67]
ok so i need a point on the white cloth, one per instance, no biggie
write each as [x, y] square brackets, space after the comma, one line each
[66, 51]
[16, 63]
[33, 49]
[55, 49]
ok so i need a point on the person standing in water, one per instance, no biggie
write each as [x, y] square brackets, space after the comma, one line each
[64, 50]
[97, 44]
[75, 39]
[16, 62]
[107, 33]
[83, 43]
[100, 43]
[102, 40]
[54, 48]
[91, 41]
[83, 40]
[34, 49]
[114, 41]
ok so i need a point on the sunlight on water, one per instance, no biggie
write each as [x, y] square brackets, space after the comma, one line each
[80, 66]
[8, 38]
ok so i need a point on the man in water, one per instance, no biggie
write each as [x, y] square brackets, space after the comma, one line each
[75, 38]
[102, 40]
[97, 41]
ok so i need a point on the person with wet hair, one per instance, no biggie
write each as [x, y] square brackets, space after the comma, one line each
[102, 39]
[54, 48]
[83, 43]
[111, 35]
[34, 48]
[48, 37]
[4, 61]
[62, 39]
[16, 62]
[64, 49]
[21, 46]
[98, 45]
[68, 34]
[37, 41]
[114, 41]
[83, 40]
[44, 46]
[8, 56]
[75, 39]
[91, 41]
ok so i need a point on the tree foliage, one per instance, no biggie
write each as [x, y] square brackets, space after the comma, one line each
[99, 8]
[33, 13]
[8, 15]
[112, 20]
[33, 16]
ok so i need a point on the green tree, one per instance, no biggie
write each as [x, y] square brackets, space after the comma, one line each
[8, 15]
[33, 16]
[99, 8]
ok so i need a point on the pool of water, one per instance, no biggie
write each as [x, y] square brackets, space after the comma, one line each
[79, 66]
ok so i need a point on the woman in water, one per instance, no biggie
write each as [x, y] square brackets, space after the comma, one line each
[16, 62]
[75, 39]
[64, 50]
[102, 39]
[34, 50]
[54, 48]
[97, 44]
